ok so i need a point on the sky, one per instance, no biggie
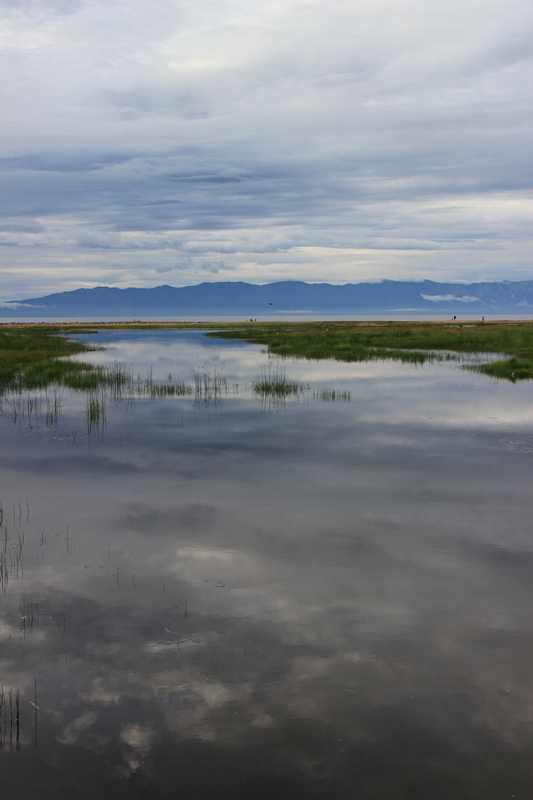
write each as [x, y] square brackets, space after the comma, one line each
[174, 142]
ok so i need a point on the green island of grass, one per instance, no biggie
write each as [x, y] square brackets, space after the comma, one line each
[34, 356]
[415, 342]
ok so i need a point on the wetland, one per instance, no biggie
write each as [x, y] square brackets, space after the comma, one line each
[255, 561]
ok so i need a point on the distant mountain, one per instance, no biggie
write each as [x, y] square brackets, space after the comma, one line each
[285, 297]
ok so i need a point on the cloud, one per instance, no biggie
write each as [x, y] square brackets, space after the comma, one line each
[444, 298]
[250, 130]
[12, 304]
[214, 267]
[191, 265]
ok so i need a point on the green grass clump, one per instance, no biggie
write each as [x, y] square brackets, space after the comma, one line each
[411, 342]
[513, 369]
[276, 384]
[34, 358]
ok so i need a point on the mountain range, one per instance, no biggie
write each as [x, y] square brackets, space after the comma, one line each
[283, 297]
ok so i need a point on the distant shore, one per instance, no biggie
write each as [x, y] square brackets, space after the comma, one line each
[492, 320]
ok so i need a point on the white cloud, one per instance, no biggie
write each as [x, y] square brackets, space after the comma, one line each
[443, 298]
[6, 304]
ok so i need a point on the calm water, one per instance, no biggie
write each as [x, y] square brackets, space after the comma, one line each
[217, 596]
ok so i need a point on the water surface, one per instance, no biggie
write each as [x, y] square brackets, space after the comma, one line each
[223, 595]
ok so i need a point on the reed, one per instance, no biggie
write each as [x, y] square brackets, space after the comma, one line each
[96, 412]
[9, 717]
[274, 383]
[332, 395]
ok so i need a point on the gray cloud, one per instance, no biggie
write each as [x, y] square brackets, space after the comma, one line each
[305, 141]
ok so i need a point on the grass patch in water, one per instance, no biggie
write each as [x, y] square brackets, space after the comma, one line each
[276, 384]
[512, 369]
[332, 395]
[409, 342]
[33, 358]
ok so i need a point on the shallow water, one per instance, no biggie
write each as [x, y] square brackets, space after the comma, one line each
[230, 596]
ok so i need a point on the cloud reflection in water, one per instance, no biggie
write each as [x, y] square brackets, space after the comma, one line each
[331, 599]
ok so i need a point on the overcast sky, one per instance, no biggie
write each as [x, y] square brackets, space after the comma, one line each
[167, 141]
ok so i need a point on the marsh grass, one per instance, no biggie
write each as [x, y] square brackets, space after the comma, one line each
[170, 390]
[211, 388]
[4, 566]
[407, 342]
[172, 386]
[11, 552]
[274, 383]
[332, 395]
[96, 412]
[273, 389]
[33, 358]
[9, 718]
[113, 382]
[512, 369]
[110, 384]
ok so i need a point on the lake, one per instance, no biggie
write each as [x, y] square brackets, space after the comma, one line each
[224, 593]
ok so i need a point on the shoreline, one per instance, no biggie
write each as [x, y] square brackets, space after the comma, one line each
[195, 325]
